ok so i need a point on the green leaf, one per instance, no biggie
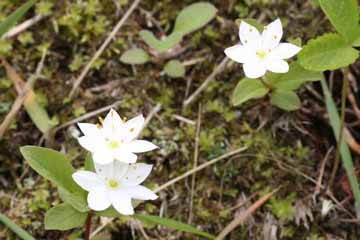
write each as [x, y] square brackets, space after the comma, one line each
[328, 52]
[37, 113]
[172, 224]
[194, 17]
[286, 100]
[291, 80]
[344, 149]
[64, 217]
[356, 43]
[135, 56]
[175, 69]
[89, 163]
[11, 20]
[77, 200]
[248, 89]
[162, 45]
[21, 233]
[344, 16]
[52, 165]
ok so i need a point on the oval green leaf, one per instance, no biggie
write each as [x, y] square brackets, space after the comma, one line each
[293, 79]
[344, 16]
[52, 165]
[194, 17]
[328, 52]
[64, 217]
[286, 100]
[248, 89]
[135, 56]
[175, 69]
[162, 45]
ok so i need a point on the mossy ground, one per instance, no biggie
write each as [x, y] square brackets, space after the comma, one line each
[285, 149]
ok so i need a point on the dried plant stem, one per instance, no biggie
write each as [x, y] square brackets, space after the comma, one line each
[342, 125]
[103, 46]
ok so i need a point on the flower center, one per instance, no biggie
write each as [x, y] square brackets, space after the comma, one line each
[113, 144]
[261, 54]
[113, 184]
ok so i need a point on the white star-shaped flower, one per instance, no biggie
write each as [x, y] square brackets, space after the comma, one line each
[262, 52]
[115, 184]
[115, 139]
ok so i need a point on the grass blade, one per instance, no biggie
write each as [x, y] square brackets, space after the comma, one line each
[172, 224]
[344, 149]
[15, 228]
[13, 18]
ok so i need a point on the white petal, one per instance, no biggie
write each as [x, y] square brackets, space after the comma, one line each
[116, 169]
[87, 180]
[254, 69]
[121, 202]
[272, 34]
[277, 66]
[125, 156]
[89, 129]
[103, 156]
[112, 123]
[141, 193]
[284, 51]
[132, 128]
[139, 146]
[240, 53]
[249, 35]
[136, 174]
[88, 142]
[98, 199]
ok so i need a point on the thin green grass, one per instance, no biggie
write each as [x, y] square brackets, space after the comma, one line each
[344, 149]
[15, 228]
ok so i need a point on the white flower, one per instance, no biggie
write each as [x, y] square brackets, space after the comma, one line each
[262, 52]
[115, 139]
[115, 184]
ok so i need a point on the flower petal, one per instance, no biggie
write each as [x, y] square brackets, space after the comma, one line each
[98, 199]
[139, 146]
[87, 180]
[272, 34]
[102, 156]
[87, 142]
[121, 202]
[284, 51]
[89, 129]
[136, 174]
[277, 66]
[116, 169]
[141, 193]
[254, 69]
[125, 156]
[132, 128]
[112, 123]
[249, 35]
[240, 53]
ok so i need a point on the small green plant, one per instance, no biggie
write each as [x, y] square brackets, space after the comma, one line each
[262, 52]
[189, 20]
[110, 178]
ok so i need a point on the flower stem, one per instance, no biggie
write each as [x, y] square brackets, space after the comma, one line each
[88, 226]
[342, 125]
[267, 85]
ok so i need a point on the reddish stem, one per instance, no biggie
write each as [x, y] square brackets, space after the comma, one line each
[88, 226]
